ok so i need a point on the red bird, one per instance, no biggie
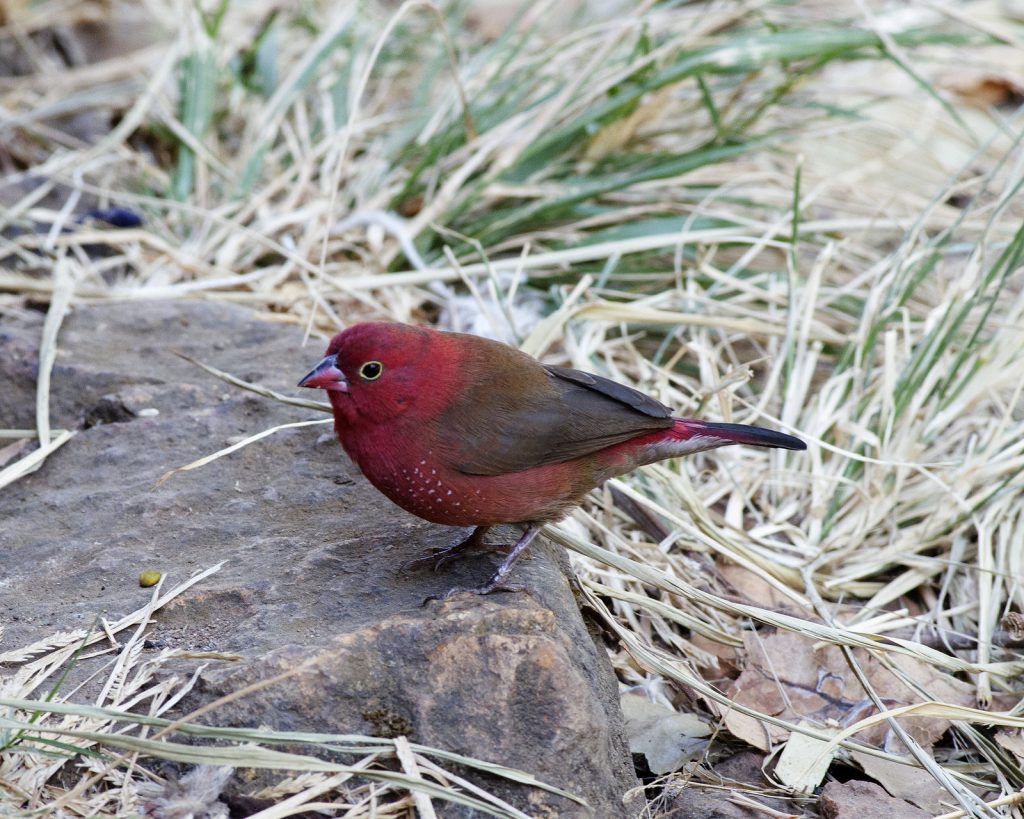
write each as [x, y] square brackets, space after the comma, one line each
[465, 431]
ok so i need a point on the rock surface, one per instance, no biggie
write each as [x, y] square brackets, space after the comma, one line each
[858, 799]
[313, 555]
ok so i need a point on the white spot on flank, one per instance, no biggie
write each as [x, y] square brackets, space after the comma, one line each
[432, 492]
[423, 463]
[449, 491]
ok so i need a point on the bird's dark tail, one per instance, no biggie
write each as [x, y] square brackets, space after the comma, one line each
[687, 436]
[725, 434]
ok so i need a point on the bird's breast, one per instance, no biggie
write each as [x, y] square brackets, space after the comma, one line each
[425, 488]
[418, 479]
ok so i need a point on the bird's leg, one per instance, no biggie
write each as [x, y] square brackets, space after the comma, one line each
[495, 583]
[506, 565]
[440, 557]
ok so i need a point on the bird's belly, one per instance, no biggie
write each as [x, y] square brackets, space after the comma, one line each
[433, 492]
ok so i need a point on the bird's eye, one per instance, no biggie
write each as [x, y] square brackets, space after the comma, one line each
[371, 370]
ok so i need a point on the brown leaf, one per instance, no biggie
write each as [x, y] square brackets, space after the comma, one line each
[728, 656]
[754, 589]
[787, 677]
[940, 687]
[1012, 741]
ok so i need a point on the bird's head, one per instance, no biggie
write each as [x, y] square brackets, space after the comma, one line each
[376, 371]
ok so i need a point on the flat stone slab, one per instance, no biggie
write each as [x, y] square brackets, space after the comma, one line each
[312, 557]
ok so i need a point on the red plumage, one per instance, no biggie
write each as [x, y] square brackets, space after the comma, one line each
[465, 431]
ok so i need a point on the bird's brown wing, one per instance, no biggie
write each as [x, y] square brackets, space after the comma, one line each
[612, 389]
[527, 415]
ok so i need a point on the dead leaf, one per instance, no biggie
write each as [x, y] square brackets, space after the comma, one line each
[787, 677]
[1012, 741]
[668, 739]
[754, 589]
[783, 678]
[803, 762]
[728, 656]
[940, 687]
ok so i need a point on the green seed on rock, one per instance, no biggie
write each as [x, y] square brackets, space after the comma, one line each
[149, 578]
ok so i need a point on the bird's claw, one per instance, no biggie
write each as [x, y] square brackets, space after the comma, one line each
[442, 557]
[439, 558]
[487, 588]
[433, 561]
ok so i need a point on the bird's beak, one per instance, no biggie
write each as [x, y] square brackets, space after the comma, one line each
[326, 376]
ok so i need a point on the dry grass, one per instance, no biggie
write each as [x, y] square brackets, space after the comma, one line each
[758, 213]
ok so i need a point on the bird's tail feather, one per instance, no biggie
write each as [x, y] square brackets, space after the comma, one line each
[687, 436]
[725, 434]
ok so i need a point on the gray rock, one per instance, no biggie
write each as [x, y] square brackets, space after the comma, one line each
[857, 799]
[312, 550]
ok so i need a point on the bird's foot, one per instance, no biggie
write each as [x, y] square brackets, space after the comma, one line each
[487, 588]
[439, 558]
[497, 581]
